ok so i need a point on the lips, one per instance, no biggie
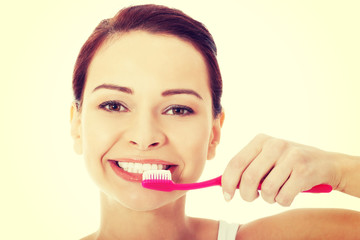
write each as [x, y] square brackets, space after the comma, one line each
[131, 170]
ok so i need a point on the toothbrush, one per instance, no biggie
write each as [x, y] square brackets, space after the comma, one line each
[161, 180]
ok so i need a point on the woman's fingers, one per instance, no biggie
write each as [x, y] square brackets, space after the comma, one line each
[274, 181]
[272, 150]
[289, 190]
[238, 164]
[285, 169]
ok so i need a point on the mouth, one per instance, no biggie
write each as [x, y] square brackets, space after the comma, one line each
[131, 170]
[140, 168]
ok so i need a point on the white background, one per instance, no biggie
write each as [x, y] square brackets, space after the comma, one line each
[290, 70]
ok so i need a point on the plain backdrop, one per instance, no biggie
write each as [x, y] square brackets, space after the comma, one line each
[290, 70]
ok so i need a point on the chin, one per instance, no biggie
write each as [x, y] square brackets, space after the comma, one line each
[148, 200]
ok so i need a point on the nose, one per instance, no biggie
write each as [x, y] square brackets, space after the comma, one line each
[144, 133]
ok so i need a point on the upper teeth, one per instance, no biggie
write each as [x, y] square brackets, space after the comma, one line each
[139, 167]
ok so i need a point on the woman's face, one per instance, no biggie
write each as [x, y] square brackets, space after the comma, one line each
[146, 104]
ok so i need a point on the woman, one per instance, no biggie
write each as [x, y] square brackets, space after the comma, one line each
[147, 92]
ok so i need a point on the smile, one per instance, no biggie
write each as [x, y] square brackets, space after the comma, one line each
[132, 170]
[140, 168]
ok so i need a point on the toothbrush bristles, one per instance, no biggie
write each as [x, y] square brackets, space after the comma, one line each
[156, 175]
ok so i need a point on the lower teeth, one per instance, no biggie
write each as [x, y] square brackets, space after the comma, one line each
[133, 170]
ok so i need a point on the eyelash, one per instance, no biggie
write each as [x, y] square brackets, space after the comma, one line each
[188, 110]
[184, 110]
[106, 106]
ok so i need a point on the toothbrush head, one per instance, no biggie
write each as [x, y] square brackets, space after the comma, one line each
[158, 180]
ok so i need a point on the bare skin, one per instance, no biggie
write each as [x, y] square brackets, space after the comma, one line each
[166, 227]
[286, 169]
[145, 123]
[304, 224]
[294, 224]
[146, 101]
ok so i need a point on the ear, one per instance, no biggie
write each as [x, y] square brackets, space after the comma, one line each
[75, 122]
[215, 135]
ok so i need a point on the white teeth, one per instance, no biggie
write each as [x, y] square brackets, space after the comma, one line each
[139, 167]
[123, 164]
[147, 167]
[153, 166]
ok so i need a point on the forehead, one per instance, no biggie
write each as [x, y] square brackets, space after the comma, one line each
[150, 58]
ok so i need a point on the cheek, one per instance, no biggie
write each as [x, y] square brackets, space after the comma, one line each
[95, 138]
[99, 132]
[98, 137]
[193, 143]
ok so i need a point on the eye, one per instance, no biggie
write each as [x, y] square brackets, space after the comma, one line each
[178, 110]
[113, 106]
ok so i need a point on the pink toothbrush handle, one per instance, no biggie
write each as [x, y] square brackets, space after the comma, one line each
[322, 188]
[198, 185]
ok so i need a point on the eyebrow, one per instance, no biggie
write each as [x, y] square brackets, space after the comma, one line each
[166, 93]
[171, 92]
[114, 87]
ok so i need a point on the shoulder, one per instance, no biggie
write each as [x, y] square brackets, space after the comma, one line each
[90, 237]
[204, 228]
[304, 224]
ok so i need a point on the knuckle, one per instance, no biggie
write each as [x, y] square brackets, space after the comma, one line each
[284, 200]
[268, 194]
[268, 188]
[248, 197]
[260, 139]
[302, 164]
[261, 136]
[295, 154]
[275, 144]
[268, 199]
[237, 164]
[249, 177]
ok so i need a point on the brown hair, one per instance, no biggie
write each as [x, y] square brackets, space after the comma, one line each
[153, 19]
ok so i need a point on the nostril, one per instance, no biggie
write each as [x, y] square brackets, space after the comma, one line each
[149, 146]
[154, 144]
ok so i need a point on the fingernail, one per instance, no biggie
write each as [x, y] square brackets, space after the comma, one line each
[227, 196]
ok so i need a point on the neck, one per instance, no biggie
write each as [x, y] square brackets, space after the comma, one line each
[119, 222]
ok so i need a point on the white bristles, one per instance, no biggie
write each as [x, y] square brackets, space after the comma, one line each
[156, 175]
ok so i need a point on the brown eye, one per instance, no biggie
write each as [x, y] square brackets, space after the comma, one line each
[179, 110]
[113, 106]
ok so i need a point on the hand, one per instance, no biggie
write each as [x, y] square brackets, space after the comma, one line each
[286, 168]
